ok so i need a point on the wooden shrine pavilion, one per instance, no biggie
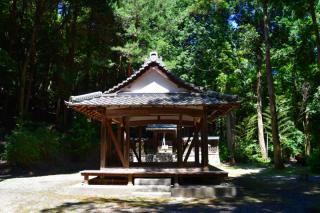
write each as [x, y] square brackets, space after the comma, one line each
[153, 95]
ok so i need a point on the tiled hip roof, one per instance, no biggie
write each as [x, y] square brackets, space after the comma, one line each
[145, 99]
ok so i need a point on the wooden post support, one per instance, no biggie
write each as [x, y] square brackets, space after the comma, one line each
[140, 142]
[115, 142]
[204, 139]
[189, 151]
[86, 179]
[179, 142]
[126, 143]
[108, 147]
[130, 180]
[119, 135]
[103, 144]
[196, 143]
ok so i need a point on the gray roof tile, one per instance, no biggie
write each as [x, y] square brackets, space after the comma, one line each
[147, 99]
[112, 97]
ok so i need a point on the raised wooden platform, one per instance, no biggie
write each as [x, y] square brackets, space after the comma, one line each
[174, 172]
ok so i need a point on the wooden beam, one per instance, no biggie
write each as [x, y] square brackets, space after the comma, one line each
[145, 111]
[115, 142]
[193, 142]
[186, 144]
[167, 121]
[133, 147]
[189, 151]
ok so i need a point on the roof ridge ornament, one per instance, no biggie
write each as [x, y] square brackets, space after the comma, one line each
[154, 59]
[153, 56]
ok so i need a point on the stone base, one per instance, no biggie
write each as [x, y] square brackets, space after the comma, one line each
[120, 191]
[196, 191]
[190, 191]
[152, 181]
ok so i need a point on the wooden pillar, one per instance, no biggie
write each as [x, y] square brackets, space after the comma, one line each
[103, 144]
[196, 143]
[126, 143]
[140, 142]
[179, 142]
[86, 179]
[204, 138]
[119, 136]
[155, 141]
[130, 180]
[108, 148]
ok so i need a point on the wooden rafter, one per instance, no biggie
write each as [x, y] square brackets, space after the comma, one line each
[186, 144]
[133, 148]
[196, 131]
[115, 142]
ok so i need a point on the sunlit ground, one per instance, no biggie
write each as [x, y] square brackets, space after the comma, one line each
[259, 189]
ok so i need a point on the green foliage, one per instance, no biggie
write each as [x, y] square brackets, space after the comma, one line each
[83, 46]
[314, 161]
[31, 144]
[81, 139]
[223, 150]
[314, 105]
[290, 136]
[247, 148]
[248, 151]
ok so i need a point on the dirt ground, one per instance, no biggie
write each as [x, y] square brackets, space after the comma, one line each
[259, 190]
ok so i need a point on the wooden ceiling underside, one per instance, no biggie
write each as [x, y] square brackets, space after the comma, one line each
[157, 115]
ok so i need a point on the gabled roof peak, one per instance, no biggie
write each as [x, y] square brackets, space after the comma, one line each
[153, 57]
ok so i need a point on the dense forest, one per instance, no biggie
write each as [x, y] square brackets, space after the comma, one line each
[265, 51]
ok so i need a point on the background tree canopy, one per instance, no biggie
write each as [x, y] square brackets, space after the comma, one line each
[50, 50]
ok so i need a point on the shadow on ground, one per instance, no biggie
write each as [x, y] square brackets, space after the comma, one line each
[170, 205]
[266, 191]
[7, 171]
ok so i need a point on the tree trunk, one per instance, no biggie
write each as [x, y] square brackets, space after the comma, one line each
[315, 28]
[30, 56]
[307, 140]
[262, 143]
[13, 29]
[70, 63]
[306, 121]
[58, 110]
[274, 120]
[230, 136]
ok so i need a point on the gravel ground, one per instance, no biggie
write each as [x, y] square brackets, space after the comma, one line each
[258, 191]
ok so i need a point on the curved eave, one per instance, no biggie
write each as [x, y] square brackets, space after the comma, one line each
[97, 112]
